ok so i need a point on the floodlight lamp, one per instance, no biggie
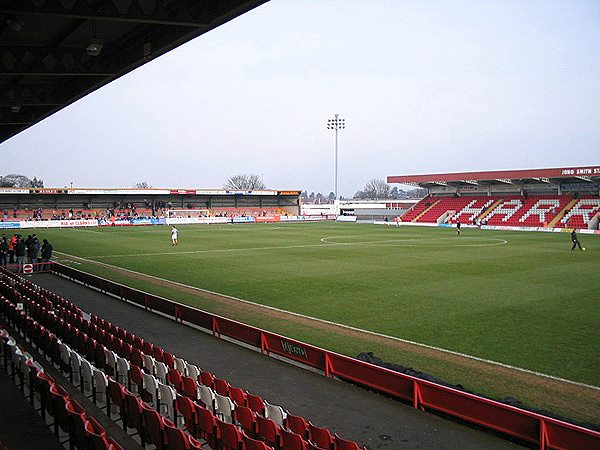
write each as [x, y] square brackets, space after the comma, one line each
[94, 47]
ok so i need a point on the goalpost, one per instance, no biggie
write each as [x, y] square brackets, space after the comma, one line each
[186, 213]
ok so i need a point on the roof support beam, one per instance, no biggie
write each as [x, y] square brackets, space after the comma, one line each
[155, 13]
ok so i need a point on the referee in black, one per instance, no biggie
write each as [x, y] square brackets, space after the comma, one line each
[575, 240]
[458, 227]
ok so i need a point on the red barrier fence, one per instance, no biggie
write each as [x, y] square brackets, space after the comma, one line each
[534, 429]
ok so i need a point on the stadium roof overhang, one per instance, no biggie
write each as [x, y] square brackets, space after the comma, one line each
[588, 174]
[54, 52]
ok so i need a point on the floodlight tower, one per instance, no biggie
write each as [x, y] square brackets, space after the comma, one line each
[336, 124]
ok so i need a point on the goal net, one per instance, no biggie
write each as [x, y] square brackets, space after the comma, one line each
[186, 213]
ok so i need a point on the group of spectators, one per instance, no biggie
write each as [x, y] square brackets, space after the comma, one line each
[16, 250]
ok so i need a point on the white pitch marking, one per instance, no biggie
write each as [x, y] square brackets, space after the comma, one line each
[418, 344]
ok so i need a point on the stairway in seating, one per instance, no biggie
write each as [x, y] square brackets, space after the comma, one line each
[422, 213]
[488, 211]
[562, 212]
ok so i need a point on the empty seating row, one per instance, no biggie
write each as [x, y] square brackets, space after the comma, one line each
[532, 211]
[165, 381]
[68, 415]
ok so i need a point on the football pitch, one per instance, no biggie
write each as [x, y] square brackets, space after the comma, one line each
[520, 299]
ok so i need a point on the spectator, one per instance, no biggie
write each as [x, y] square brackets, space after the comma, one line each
[46, 254]
[12, 245]
[20, 251]
[3, 251]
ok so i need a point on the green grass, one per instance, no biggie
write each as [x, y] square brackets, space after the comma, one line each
[522, 299]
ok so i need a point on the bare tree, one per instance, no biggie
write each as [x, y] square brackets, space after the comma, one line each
[142, 185]
[20, 181]
[376, 188]
[244, 181]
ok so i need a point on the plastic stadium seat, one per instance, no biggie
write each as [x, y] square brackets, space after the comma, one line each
[136, 378]
[230, 437]
[221, 387]
[275, 413]
[180, 365]
[100, 387]
[186, 407]
[256, 403]
[192, 371]
[158, 353]
[150, 388]
[297, 424]
[122, 370]
[153, 426]
[166, 400]
[176, 438]
[238, 395]
[116, 396]
[292, 441]
[268, 431]
[148, 363]
[110, 361]
[207, 428]
[137, 357]
[87, 376]
[96, 435]
[168, 359]
[254, 444]
[320, 436]
[224, 408]
[343, 444]
[207, 379]
[175, 379]
[190, 387]
[132, 417]
[77, 419]
[161, 370]
[246, 418]
[207, 397]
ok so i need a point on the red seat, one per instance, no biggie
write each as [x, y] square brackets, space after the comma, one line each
[176, 438]
[221, 387]
[246, 418]
[116, 396]
[206, 425]
[136, 376]
[153, 426]
[268, 431]
[190, 387]
[186, 407]
[256, 403]
[175, 378]
[238, 395]
[77, 420]
[230, 437]
[343, 444]
[133, 413]
[297, 424]
[207, 379]
[96, 435]
[254, 444]
[292, 441]
[320, 436]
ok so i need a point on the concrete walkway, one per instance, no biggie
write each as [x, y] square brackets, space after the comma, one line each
[354, 413]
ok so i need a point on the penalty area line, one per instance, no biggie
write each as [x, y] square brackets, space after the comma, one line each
[340, 325]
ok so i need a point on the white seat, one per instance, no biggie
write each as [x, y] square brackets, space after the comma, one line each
[87, 375]
[207, 396]
[65, 355]
[122, 373]
[192, 371]
[161, 371]
[100, 387]
[75, 367]
[166, 396]
[224, 407]
[276, 413]
[110, 359]
[180, 365]
[149, 364]
[151, 387]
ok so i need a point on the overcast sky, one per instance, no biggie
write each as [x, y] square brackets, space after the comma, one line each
[424, 87]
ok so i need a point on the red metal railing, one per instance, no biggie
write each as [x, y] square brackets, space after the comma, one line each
[536, 429]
